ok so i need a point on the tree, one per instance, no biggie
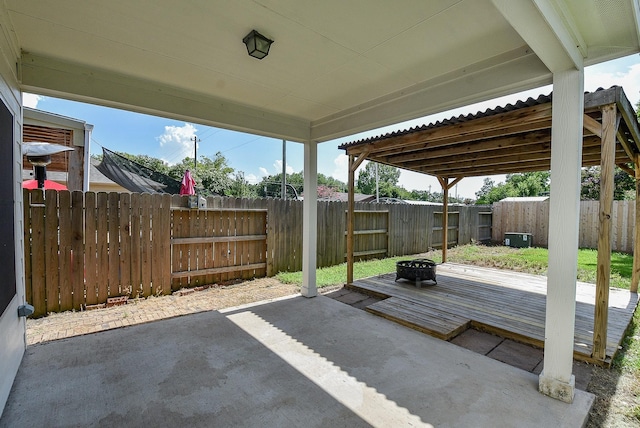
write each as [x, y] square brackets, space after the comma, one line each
[148, 161]
[213, 176]
[388, 177]
[521, 184]
[624, 184]
[271, 185]
[241, 188]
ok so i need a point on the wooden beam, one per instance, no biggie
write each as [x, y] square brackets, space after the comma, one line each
[450, 140]
[514, 143]
[635, 277]
[631, 171]
[609, 122]
[350, 219]
[357, 162]
[517, 121]
[592, 125]
[624, 143]
[444, 182]
[455, 181]
[446, 165]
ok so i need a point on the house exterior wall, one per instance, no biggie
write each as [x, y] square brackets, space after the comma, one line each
[49, 127]
[12, 328]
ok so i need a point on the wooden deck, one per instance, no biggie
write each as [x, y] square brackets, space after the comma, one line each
[505, 303]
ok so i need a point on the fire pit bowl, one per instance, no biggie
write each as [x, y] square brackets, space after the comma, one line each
[417, 270]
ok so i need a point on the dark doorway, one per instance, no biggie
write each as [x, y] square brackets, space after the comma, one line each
[7, 237]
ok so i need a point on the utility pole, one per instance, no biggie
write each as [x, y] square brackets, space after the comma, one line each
[283, 191]
[377, 185]
[195, 152]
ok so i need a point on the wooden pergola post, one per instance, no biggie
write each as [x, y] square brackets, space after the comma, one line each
[635, 277]
[354, 163]
[607, 163]
[444, 182]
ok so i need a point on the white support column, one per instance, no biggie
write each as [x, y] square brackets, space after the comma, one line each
[88, 129]
[310, 220]
[556, 379]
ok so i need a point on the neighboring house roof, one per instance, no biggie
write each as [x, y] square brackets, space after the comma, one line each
[99, 182]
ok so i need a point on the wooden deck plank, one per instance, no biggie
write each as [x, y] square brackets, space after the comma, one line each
[511, 304]
[436, 323]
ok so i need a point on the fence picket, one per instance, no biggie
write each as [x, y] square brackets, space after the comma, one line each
[77, 250]
[145, 243]
[39, 277]
[135, 225]
[64, 209]
[91, 249]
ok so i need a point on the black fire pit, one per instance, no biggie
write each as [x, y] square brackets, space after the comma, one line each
[417, 270]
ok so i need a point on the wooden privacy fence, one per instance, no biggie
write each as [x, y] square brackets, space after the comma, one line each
[533, 217]
[83, 248]
[215, 245]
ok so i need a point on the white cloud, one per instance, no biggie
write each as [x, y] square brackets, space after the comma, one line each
[278, 166]
[31, 100]
[252, 179]
[627, 77]
[341, 168]
[177, 143]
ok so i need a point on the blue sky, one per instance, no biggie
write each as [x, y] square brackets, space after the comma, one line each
[258, 156]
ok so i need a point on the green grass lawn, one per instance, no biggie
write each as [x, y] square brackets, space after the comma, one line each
[529, 260]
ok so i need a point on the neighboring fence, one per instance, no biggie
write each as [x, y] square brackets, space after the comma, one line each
[533, 217]
[83, 248]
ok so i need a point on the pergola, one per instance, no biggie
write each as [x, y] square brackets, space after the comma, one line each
[511, 139]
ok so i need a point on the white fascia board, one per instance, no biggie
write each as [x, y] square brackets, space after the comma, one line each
[542, 28]
[45, 118]
[514, 71]
[49, 76]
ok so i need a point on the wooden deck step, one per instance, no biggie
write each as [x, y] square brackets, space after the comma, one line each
[434, 322]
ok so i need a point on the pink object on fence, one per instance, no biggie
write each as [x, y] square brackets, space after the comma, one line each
[188, 186]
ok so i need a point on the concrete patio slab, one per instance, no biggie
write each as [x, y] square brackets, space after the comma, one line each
[293, 362]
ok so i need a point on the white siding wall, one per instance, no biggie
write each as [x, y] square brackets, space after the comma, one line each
[12, 328]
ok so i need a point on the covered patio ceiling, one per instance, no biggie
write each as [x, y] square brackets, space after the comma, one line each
[510, 139]
[336, 67]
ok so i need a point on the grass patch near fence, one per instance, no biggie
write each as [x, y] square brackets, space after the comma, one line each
[528, 260]
[335, 275]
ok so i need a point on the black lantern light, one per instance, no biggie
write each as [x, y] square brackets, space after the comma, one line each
[257, 44]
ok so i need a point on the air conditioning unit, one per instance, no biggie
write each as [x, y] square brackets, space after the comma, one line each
[518, 240]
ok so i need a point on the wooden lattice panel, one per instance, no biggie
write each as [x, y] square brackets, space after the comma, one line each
[64, 137]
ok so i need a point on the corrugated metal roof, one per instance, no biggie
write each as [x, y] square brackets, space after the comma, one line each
[463, 118]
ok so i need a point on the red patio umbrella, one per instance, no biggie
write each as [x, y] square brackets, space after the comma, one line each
[48, 184]
[188, 185]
